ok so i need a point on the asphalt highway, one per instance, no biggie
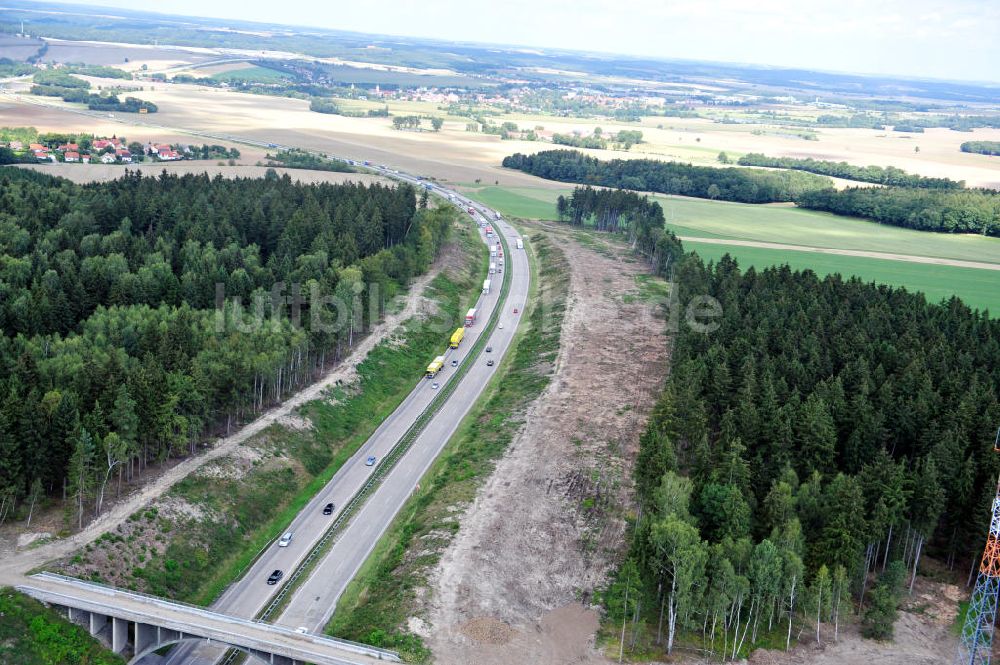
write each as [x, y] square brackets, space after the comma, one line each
[313, 602]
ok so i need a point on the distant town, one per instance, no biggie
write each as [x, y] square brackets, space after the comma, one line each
[102, 150]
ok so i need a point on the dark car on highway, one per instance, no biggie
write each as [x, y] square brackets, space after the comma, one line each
[275, 576]
[328, 509]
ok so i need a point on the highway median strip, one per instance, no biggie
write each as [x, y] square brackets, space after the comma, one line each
[388, 462]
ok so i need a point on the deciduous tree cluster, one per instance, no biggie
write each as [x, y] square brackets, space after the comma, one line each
[950, 211]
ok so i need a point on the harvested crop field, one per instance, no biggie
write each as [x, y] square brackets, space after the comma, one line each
[82, 173]
[125, 56]
[17, 48]
[452, 155]
[546, 528]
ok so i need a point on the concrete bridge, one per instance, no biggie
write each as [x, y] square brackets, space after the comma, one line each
[139, 624]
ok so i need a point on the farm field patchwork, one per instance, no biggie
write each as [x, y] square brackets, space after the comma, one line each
[694, 219]
[768, 223]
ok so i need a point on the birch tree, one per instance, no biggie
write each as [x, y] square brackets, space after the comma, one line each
[680, 559]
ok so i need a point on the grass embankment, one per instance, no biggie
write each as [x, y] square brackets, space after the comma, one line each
[794, 226]
[32, 634]
[376, 605]
[235, 515]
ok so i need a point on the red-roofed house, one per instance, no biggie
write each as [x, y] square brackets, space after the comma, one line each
[16, 145]
[168, 155]
[68, 147]
[71, 156]
[36, 146]
[124, 155]
[101, 144]
[85, 159]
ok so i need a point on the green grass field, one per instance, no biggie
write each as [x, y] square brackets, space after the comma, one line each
[767, 223]
[692, 218]
[252, 74]
[526, 202]
[977, 288]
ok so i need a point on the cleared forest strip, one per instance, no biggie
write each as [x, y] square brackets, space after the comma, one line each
[376, 605]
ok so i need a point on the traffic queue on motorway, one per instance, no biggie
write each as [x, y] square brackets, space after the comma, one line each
[455, 340]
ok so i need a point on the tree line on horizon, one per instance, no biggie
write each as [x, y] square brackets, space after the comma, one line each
[920, 208]
[879, 175]
[111, 356]
[651, 175]
[981, 147]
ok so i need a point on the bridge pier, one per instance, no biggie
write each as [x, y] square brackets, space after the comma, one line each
[79, 617]
[145, 636]
[272, 658]
[119, 634]
[97, 623]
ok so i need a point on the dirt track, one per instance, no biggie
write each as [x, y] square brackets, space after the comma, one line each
[547, 526]
[909, 258]
[16, 564]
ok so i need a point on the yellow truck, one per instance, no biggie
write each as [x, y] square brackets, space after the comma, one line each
[435, 367]
[456, 337]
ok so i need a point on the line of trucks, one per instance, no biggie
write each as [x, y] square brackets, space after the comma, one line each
[456, 340]
[496, 252]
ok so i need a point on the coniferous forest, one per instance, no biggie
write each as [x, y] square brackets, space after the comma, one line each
[805, 456]
[113, 354]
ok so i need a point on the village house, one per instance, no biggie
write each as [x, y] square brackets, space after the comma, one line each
[168, 155]
[68, 147]
[124, 155]
[71, 156]
[16, 145]
[101, 144]
[108, 158]
[85, 159]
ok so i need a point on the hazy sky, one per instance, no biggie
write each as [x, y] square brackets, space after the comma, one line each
[927, 38]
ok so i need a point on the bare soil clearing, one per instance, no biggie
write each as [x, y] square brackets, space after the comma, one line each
[923, 636]
[546, 527]
[16, 563]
